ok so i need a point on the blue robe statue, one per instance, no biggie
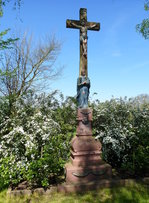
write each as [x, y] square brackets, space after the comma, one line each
[83, 86]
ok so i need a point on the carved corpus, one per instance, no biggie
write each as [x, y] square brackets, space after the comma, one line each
[83, 25]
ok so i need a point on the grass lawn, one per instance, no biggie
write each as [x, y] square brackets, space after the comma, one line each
[135, 193]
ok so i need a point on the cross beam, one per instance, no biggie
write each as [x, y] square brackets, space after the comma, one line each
[83, 25]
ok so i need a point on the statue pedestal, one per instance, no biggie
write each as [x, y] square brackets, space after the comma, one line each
[86, 165]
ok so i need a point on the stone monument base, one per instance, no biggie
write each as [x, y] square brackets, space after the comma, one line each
[77, 175]
[86, 168]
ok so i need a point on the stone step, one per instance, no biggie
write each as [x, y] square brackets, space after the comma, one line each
[88, 162]
[86, 174]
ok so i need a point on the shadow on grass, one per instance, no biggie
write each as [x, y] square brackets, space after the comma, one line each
[135, 193]
[132, 194]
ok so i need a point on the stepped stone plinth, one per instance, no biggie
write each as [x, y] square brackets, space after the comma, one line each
[86, 165]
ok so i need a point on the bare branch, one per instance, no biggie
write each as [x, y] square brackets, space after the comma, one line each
[26, 65]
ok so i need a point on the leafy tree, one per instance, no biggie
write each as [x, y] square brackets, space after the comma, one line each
[143, 27]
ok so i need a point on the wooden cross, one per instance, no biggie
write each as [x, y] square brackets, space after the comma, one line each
[83, 25]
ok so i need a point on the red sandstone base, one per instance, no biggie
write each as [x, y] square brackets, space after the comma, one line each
[86, 167]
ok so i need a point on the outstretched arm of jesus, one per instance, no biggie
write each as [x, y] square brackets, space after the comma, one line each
[92, 26]
[75, 25]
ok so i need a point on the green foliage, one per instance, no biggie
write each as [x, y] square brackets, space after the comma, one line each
[16, 3]
[143, 27]
[10, 171]
[6, 43]
[43, 170]
[2, 3]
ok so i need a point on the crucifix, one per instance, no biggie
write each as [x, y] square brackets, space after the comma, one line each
[83, 25]
[86, 164]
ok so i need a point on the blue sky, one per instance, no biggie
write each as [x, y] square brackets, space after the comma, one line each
[118, 59]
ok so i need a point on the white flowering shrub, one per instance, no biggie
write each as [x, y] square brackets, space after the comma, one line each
[122, 127]
[35, 137]
[33, 143]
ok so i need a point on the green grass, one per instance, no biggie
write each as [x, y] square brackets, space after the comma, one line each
[136, 193]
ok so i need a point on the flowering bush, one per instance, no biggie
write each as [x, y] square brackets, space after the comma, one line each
[122, 127]
[35, 138]
[33, 145]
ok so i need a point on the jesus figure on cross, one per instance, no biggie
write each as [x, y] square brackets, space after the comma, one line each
[83, 25]
[83, 34]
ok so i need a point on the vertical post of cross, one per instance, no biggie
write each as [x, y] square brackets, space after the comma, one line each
[83, 39]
